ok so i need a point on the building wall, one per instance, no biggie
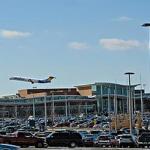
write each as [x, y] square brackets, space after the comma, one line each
[29, 93]
[23, 93]
[85, 91]
[42, 94]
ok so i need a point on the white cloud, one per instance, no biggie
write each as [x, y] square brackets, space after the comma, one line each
[78, 45]
[119, 44]
[10, 34]
[123, 18]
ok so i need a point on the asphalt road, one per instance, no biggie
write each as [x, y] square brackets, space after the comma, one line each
[80, 148]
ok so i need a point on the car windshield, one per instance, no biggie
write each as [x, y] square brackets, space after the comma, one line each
[88, 135]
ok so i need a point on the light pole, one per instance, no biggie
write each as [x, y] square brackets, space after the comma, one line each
[16, 112]
[45, 108]
[127, 100]
[147, 25]
[33, 105]
[108, 101]
[142, 100]
[141, 94]
[102, 103]
[130, 101]
[53, 108]
[66, 106]
[115, 108]
[134, 110]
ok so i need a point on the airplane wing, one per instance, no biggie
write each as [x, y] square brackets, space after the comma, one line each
[22, 79]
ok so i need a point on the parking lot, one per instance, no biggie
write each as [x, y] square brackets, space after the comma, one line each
[82, 135]
[80, 148]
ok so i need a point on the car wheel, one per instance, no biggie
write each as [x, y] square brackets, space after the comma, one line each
[24, 146]
[39, 145]
[73, 144]
[132, 146]
[121, 146]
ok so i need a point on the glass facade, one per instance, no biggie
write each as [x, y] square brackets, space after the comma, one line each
[105, 88]
[105, 93]
[23, 107]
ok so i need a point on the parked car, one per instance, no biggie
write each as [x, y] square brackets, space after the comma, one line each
[88, 140]
[127, 140]
[23, 139]
[64, 138]
[83, 133]
[42, 134]
[103, 141]
[9, 147]
[114, 141]
[95, 133]
[144, 140]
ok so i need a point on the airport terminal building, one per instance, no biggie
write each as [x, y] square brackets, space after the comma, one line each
[94, 98]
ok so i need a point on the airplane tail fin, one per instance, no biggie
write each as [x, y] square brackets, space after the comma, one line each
[50, 78]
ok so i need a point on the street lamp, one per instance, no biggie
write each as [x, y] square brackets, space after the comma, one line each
[45, 108]
[53, 108]
[141, 95]
[66, 105]
[109, 101]
[33, 104]
[130, 101]
[115, 108]
[147, 25]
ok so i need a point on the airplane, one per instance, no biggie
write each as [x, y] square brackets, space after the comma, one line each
[48, 80]
[146, 25]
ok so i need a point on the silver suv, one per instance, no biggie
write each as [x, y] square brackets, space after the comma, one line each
[127, 140]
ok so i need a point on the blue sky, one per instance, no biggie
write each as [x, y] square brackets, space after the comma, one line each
[78, 41]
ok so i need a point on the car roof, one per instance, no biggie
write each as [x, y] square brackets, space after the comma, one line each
[125, 135]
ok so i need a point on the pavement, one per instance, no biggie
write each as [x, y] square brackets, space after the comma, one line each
[82, 148]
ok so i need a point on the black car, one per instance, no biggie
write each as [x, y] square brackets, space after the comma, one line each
[144, 140]
[103, 140]
[64, 138]
[88, 140]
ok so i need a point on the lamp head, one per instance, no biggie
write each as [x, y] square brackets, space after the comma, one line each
[129, 73]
